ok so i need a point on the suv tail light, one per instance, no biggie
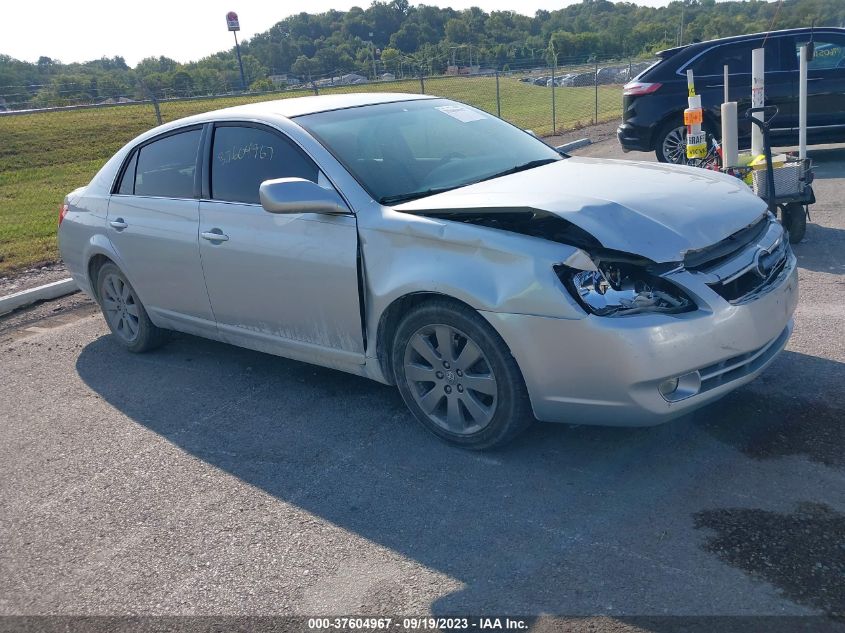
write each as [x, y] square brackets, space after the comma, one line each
[62, 212]
[637, 88]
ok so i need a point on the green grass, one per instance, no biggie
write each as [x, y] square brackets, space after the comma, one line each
[44, 156]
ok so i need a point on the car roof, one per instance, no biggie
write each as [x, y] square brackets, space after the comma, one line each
[670, 52]
[298, 106]
[284, 109]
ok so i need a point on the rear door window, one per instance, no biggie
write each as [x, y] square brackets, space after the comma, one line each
[166, 167]
[244, 157]
[738, 58]
[829, 53]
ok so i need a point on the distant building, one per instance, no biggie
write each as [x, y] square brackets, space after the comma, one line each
[462, 70]
[284, 78]
[348, 79]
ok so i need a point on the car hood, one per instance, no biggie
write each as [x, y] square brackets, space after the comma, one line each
[653, 210]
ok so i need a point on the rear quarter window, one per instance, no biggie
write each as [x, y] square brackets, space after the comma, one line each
[127, 178]
[829, 53]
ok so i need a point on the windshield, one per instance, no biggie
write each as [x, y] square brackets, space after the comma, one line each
[410, 149]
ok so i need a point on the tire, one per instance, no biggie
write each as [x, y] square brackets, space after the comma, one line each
[673, 134]
[125, 314]
[458, 377]
[793, 217]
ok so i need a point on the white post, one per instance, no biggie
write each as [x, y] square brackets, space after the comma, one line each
[729, 135]
[693, 118]
[758, 97]
[727, 92]
[802, 102]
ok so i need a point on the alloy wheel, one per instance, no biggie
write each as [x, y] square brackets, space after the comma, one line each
[675, 146]
[451, 379]
[121, 307]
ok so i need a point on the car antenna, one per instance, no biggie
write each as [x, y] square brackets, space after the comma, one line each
[811, 47]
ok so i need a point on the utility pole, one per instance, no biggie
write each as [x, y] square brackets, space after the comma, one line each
[234, 26]
[681, 32]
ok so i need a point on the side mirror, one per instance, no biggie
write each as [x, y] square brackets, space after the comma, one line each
[532, 133]
[297, 195]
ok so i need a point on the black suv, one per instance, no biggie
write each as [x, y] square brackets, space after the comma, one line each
[654, 102]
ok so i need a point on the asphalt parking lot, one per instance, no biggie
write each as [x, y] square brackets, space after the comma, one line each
[206, 479]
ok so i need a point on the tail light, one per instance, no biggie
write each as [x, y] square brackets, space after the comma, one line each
[62, 213]
[637, 88]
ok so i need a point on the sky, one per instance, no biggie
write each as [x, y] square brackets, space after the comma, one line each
[183, 30]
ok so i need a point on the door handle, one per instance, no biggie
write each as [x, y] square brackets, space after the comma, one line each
[214, 235]
[118, 224]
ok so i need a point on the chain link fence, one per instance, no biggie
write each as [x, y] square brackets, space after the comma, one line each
[46, 153]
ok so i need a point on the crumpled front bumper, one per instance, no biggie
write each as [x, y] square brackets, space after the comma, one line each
[604, 370]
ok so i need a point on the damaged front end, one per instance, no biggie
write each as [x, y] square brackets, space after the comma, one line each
[524, 221]
[602, 281]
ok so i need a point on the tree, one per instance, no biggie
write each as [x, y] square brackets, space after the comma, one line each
[390, 58]
[183, 84]
[262, 85]
[422, 37]
[304, 67]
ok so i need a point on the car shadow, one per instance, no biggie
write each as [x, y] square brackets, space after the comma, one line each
[822, 249]
[566, 519]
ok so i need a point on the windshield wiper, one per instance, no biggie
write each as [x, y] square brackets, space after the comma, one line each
[524, 167]
[414, 195]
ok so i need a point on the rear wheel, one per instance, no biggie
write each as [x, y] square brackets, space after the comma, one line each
[124, 312]
[458, 378]
[670, 145]
[793, 217]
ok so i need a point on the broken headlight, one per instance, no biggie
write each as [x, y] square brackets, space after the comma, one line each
[621, 289]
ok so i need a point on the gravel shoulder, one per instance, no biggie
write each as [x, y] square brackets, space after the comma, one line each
[32, 277]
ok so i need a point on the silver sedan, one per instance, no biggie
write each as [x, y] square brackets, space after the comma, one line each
[423, 243]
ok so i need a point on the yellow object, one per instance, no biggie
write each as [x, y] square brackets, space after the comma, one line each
[697, 151]
[759, 162]
[696, 145]
[744, 160]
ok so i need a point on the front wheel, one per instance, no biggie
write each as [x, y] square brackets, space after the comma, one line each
[458, 378]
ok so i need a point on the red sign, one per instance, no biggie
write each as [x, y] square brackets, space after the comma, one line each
[232, 21]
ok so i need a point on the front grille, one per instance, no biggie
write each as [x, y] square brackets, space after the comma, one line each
[741, 274]
[752, 283]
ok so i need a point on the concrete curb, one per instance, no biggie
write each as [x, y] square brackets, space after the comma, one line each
[568, 147]
[41, 293]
